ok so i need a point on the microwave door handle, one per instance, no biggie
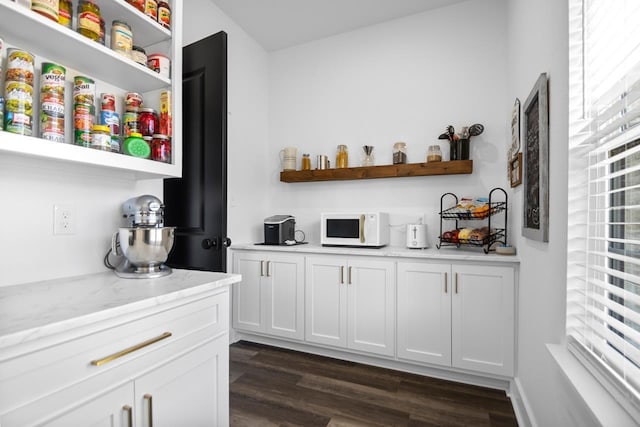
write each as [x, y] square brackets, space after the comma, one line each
[362, 228]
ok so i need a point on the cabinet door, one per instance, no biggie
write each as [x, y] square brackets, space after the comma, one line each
[192, 390]
[371, 306]
[326, 301]
[483, 318]
[247, 309]
[284, 297]
[424, 312]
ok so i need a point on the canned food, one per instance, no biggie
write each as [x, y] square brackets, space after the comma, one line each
[132, 101]
[48, 8]
[148, 121]
[111, 119]
[139, 55]
[151, 9]
[121, 38]
[89, 19]
[1, 113]
[20, 66]
[82, 138]
[65, 13]
[52, 89]
[166, 126]
[52, 128]
[18, 122]
[84, 90]
[115, 144]
[83, 120]
[160, 64]
[138, 4]
[130, 123]
[108, 102]
[18, 97]
[101, 138]
[161, 148]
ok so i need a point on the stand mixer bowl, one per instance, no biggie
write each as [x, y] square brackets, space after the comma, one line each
[146, 248]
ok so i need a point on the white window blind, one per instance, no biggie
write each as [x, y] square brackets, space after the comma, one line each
[603, 294]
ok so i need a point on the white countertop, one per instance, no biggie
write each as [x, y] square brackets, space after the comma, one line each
[446, 253]
[35, 310]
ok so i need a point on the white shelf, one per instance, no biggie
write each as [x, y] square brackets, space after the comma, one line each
[27, 29]
[13, 144]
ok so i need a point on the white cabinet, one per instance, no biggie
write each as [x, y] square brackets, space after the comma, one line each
[270, 298]
[457, 315]
[113, 73]
[350, 303]
[165, 366]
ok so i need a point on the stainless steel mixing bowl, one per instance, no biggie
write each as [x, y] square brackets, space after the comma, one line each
[144, 247]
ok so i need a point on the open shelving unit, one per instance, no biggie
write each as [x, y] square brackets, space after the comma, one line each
[454, 167]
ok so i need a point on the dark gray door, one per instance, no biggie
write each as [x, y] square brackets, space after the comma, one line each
[197, 203]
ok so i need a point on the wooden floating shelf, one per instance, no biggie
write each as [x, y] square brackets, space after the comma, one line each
[454, 167]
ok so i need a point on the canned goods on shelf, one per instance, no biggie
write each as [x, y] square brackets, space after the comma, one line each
[115, 144]
[160, 63]
[89, 19]
[164, 14]
[121, 38]
[52, 81]
[135, 146]
[132, 101]
[84, 90]
[18, 108]
[107, 102]
[52, 128]
[20, 66]
[18, 122]
[111, 119]
[1, 113]
[48, 8]
[161, 148]
[101, 138]
[166, 125]
[65, 13]
[130, 122]
[139, 55]
[148, 122]
[83, 121]
[138, 4]
[151, 9]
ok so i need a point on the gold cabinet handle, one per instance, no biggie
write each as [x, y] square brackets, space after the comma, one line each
[445, 282]
[342, 274]
[261, 268]
[362, 217]
[148, 399]
[456, 283]
[129, 414]
[349, 274]
[268, 268]
[131, 349]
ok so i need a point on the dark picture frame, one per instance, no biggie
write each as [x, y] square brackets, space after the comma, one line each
[515, 170]
[535, 139]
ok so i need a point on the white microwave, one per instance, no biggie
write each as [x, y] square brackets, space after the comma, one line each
[354, 229]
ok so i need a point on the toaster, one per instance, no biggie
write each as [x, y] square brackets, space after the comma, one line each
[279, 229]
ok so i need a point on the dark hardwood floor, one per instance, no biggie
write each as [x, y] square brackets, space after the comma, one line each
[276, 387]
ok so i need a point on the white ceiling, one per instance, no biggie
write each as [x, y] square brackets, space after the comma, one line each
[278, 24]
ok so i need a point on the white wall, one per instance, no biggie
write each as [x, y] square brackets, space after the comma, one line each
[403, 80]
[538, 42]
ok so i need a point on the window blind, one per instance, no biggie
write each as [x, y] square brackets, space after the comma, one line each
[603, 274]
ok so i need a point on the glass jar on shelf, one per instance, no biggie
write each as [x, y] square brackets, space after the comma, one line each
[306, 162]
[399, 153]
[434, 154]
[342, 158]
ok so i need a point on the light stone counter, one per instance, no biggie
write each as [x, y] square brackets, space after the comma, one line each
[36, 310]
[450, 253]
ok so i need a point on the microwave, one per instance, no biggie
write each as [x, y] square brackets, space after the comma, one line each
[354, 229]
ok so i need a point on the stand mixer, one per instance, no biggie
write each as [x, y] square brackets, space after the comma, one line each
[145, 243]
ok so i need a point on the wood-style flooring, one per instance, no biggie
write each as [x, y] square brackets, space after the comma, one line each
[276, 387]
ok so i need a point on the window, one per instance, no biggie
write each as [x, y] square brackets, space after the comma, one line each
[603, 294]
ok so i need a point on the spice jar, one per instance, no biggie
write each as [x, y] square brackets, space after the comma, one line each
[135, 146]
[89, 19]
[101, 137]
[434, 154]
[399, 153]
[148, 121]
[306, 162]
[161, 148]
[342, 157]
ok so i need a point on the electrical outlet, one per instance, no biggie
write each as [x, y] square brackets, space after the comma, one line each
[64, 219]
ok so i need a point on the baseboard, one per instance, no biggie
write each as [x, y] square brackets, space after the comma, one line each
[520, 404]
[449, 374]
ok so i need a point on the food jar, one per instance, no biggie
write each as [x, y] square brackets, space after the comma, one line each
[138, 4]
[121, 38]
[161, 148]
[164, 14]
[135, 146]
[166, 125]
[306, 162]
[101, 138]
[89, 19]
[342, 157]
[160, 63]
[434, 154]
[48, 8]
[65, 13]
[1, 113]
[130, 122]
[132, 101]
[148, 122]
[139, 55]
[151, 9]
[399, 153]
[108, 102]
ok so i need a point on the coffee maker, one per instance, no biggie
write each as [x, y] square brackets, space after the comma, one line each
[144, 244]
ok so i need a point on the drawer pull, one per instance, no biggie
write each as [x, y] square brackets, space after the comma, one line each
[445, 282]
[126, 351]
[350, 274]
[342, 274]
[129, 413]
[268, 268]
[262, 268]
[456, 283]
[148, 398]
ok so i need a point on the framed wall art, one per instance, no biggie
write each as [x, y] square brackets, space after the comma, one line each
[535, 138]
[515, 170]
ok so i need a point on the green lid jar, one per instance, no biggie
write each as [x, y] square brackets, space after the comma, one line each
[135, 146]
